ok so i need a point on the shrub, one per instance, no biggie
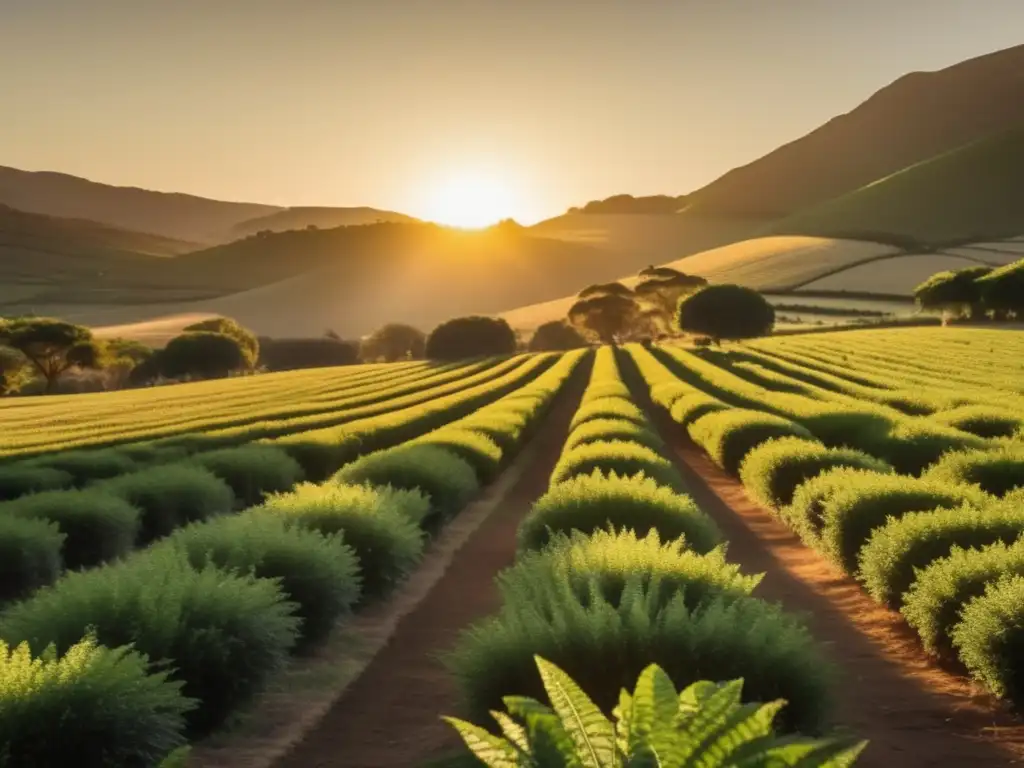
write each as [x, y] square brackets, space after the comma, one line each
[297, 354]
[891, 557]
[605, 647]
[224, 634]
[774, 470]
[29, 555]
[705, 725]
[601, 430]
[608, 408]
[473, 336]
[996, 471]
[688, 408]
[97, 526]
[847, 426]
[556, 335]
[252, 471]
[85, 466]
[728, 436]
[320, 453]
[446, 479]
[806, 513]
[726, 312]
[380, 524]
[623, 458]
[666, 393]
[912, 446]
[233, 329]
[506, 428]
[588, 503]
[853, 512]
[318, 573]
[203, 355]
[476, 449]
[607, 559]
[23, 478]
[990, 638]
[171, 496]
[981, 420]
[393, 342]
[940, 590]
[92, 707]
[611, 389]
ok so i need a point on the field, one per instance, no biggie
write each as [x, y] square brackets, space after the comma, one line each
[833, 518]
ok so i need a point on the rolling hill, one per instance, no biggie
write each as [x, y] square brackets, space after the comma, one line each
[321, 218]
[972, 193]
[917, 117]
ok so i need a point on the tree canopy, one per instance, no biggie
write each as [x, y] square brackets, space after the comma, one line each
[605, 289]
[1002, 290]
[228, 327]
[954, 291]
[393, 342]
[472, 336]
[608, 316]
[554, 336]
[663, 291]
[51, 346]
[204, 355]
[726, 312]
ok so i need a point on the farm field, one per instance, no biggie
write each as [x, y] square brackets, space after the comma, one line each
[832, 518]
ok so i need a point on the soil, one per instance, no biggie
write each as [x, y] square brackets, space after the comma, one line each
[914, 713]
[389, 716]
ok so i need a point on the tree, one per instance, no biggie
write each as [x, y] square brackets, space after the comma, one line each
[1002, 290]
[122, 358]
[392, 342]
[555, 336]
[204, 355]
[608, 316]
[228, 327]
[726, 312]
[605, 289]
[15, 371]
[663, 292]
[955, 291]
[293, 354]
[52, 346]
[473, 336]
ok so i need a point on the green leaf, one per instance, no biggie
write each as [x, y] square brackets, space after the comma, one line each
[745, 727]
[653, 734]
[513, 731]
[802, 753]
[590, 731]
[493, 751]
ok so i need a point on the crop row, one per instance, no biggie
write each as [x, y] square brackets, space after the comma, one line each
[121, 507]
[618, 568]
[214, 610]
[941, 547]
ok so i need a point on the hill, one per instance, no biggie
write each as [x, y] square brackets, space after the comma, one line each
[972, 193]
[917, 117]
[321, 218]
[663, 204]
[174, 215]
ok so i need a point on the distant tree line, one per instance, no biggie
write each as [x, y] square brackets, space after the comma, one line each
[975, 293]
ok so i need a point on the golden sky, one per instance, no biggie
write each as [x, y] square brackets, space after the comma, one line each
[533, 106]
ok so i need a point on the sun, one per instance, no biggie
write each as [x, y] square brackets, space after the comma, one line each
[470, 201]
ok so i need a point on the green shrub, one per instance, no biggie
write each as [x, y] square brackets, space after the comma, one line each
[87, 465]
[932, 605]
[225, 635]
[806, 513]
[889, 560]
[600, 430]
[252, 470]
[996, 471]
[605, 389]
[914, 445]
[380, 524]
[605, 647]
[608, 558]
[849, 427]
[608, 408]
[24, 478]
[147, 454]
[320, 574]
[91, 708]
[688, 408]
[449, 481]
[623, 458]
[981, 420]
[728, 436]
[588, 503]
[990, 638]
[171, 496]
[774, 470]
[506, 428]
[29, 556]
[703, 725]
[473, 447]
[98, 526]
[853, 512]
[320, 452]
[666, 393]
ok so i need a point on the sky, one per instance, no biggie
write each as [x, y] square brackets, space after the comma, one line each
[414, 105]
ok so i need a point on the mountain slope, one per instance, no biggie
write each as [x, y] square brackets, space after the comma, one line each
[322, 218]
[915, 118]
[972, 193]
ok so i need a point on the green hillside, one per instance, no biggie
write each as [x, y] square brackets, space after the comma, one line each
[973, 193]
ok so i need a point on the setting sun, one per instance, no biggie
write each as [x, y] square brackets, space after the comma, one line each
[470, 200]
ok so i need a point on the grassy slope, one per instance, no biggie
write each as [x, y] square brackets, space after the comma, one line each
[975, 192]
[915, 118]
[323, 218]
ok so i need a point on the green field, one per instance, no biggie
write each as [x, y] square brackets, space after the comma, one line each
[262, 513]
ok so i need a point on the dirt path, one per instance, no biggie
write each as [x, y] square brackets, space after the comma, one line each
[913, 713]
[389, 717]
